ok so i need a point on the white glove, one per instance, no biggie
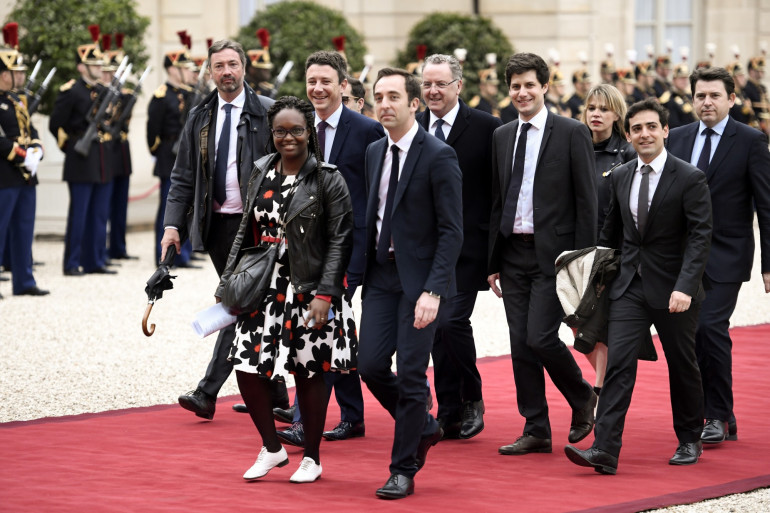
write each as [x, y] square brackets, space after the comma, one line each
[31, 161]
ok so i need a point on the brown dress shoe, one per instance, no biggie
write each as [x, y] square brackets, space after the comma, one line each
[526, 444]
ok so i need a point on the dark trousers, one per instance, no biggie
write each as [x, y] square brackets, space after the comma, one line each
[455, 376]
[17, 226]
[118, 216]
[86, 235]
[534, 313]
[387, 327]
[630, 318]
[184, 256]
[713, 347]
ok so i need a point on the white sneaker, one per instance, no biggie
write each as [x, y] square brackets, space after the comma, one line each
[307, 472]
[265, 462]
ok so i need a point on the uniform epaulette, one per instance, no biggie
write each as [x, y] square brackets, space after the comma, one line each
[504, 102]
[67, 85]
[474, 102]
[687, 108]
[665, 97]
[127, 90]
[266, 85]
[160, 92]
[566, 98]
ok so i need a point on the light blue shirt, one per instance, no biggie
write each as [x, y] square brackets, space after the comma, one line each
[700, 140]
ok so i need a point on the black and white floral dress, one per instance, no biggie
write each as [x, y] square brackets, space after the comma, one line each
[272, 341]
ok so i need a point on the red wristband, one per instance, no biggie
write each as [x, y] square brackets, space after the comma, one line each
[328, 299]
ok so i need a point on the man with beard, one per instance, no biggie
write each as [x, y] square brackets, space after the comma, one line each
[222, 138]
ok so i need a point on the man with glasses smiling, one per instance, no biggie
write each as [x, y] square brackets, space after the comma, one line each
[469, 132]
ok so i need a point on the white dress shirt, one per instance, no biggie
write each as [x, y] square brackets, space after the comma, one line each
[403, 147]
[233, 204]
[449, 121]
[525, 212]
[333, 121]
[657, 169]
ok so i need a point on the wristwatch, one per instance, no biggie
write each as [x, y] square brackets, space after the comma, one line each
[433, 294]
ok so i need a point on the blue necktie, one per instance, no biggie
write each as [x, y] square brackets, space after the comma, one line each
[705, 153]
[514, 187]
[383, 244]
[440, 131]
[220, 165]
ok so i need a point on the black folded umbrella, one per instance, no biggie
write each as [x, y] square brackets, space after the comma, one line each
[158, 282]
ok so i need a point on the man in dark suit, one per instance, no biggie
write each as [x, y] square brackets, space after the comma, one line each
[543, 202]
[343, 136]
[469, 132]
[736, 161]
[413, 238]
[660, 214]
[222, 138]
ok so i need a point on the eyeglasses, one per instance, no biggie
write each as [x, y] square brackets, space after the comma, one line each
[439, 85]
[346, 99]
[280, 133]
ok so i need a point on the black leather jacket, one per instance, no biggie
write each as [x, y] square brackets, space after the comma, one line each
[618, 151]
[190, 198]
[319, 240]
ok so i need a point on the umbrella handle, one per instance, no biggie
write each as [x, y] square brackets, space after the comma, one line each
[151, 330]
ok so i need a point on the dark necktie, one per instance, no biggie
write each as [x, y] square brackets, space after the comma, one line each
[644, 195]
[517, 176]
[321, 129]
[383, 245]
[220, 166]
[440, 131]
[705, 153]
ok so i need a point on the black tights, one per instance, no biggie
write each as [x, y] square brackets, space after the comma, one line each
[312, 396]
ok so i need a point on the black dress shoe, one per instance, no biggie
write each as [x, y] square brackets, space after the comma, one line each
[526, 444]
[199, 402]
[451, 428]
[601, 461]
[583, 420]
[732, 430]
[73, 272]
[285, 415]
[714, 432]
[33, 291]
[294, 435]
[687, 453]
[101, 270]
[241, 408]
[125, 257]
[396, 487]
[473, 419]
[110, 263]
[426, 443]
[345, 430]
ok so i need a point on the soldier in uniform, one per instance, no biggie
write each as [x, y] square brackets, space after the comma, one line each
[644, 79]
[555, 97]
[755, 91]
[662, 70]
[22, 151]
[166, 115]
[624, 80]
[486, 100]
[678, 100]
[120, 154]
[259, 67]
[742, 110]
[581, 80]
[88, 179]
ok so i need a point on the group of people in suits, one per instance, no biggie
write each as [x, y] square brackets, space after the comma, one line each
[528, 191]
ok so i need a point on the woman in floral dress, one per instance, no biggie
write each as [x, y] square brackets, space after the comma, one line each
[303, 325]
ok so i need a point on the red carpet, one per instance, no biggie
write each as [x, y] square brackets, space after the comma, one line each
[163, 459]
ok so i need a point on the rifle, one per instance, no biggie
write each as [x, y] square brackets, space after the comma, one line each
[200, 93]
[34, 103]
[31, 80]
[129, 106]
[109, 97]
[281, 78]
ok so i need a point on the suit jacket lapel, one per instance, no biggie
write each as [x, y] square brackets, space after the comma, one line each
[546, 134]
[408, 169]
[343, 127]
[624, 195]
[374, 174]
[723, 148]
[508, 147]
